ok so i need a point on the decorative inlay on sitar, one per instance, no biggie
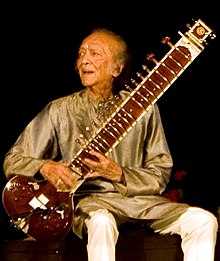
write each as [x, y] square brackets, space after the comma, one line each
[42, 212]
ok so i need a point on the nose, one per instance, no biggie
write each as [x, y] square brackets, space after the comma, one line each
[85, 59]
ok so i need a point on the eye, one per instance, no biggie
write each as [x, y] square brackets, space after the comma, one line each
[95, 53]
[81, 53]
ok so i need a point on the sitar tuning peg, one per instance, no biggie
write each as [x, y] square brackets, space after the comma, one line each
[90, 131]
[188, 26]
[145, 68]
[83, 139]
[150, 57]
[128, 88]
[95, 124]
[166, 40]
[140, 75]
[134, 82]
[78, 141]
[212, 36]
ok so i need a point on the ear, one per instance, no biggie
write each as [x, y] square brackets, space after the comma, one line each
[117, 70]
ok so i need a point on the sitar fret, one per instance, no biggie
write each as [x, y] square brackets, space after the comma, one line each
[141, 99]
[122, 116]
[102, 140]
[120, 127]
[150, 90]
[97, 146]
[115, 129]
[167, 71]
[112, 131]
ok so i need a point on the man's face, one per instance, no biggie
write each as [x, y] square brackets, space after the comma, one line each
[95, 62]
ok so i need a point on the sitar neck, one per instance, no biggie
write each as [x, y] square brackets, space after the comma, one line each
[146, 92]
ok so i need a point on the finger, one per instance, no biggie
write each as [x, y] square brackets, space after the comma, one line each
[91, 163]
[92, 175]
[98, 155]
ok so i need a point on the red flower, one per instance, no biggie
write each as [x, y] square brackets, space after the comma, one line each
[172, 194]
[180, 174]
[174, 190]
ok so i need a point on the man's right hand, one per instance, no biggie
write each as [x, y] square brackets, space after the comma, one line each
[59, 174]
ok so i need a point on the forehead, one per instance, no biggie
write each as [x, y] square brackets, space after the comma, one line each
[99, 40]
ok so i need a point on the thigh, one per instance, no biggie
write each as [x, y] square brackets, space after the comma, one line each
[192, 218]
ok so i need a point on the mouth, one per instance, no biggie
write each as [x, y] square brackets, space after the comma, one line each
[87, 72]
[87, 76]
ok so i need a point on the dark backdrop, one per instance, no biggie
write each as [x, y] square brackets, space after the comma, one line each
[40, 43]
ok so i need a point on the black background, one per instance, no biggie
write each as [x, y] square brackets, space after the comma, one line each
[40, 42]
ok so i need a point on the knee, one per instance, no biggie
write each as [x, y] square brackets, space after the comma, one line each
[101, 216]
[101, 220]
[206, 219]
[213, 222]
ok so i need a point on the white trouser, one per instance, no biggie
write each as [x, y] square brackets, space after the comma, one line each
[197, 228]
[102, 236]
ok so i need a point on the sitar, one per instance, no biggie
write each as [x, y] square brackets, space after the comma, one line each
[42, 212]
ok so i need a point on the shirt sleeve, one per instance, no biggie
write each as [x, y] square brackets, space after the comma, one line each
[26, 156]
[152, 175]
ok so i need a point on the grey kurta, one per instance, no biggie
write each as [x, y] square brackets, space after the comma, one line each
[143, 154]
